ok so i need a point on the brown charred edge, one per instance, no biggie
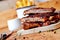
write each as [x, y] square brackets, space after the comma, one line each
[42, 15]
[30, 25]
[41, 20]
[52, 9]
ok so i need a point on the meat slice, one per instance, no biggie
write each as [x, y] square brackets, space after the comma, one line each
[30, 25]
[39, 10]
[30, 19]
[41, 15]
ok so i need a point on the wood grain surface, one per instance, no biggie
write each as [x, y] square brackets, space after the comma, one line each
[7, 15]
[51, 3]
[49, 35]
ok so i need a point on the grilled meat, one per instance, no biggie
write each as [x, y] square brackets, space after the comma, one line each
[29, 25]
[33, 18]
[30, 19]
[38, 17]
[39, 10]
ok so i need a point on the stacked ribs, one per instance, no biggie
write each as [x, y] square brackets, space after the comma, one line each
[38, 17]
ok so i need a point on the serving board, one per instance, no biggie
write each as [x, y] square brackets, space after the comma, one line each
[44, 28]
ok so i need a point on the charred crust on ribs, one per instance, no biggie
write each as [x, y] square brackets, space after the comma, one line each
[39, 10]
[39, 17]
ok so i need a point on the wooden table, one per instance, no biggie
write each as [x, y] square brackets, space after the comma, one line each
[2, 30]
[5, 30]
[48, 35]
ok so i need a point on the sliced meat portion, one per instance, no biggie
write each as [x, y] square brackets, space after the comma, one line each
[30, 19]
[30, 25]
[41, 15]
[39, 10]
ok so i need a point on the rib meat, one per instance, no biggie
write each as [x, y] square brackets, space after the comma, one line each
[39, 10]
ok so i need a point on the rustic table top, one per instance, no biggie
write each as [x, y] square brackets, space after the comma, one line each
[50, 35]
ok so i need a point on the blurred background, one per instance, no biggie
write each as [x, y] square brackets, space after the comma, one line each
[39, 3]
[23, 3]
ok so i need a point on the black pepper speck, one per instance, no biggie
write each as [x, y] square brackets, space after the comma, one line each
[23, 37]
[54, 32]
[39, 32]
